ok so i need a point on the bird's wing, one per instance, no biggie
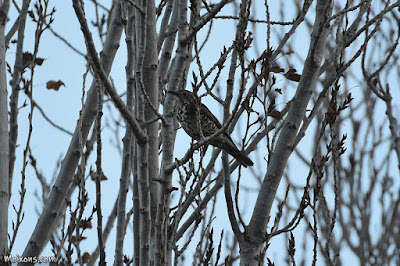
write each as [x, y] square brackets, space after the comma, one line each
[212, 117]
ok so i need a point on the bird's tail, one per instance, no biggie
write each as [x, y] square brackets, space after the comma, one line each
[230, 148]
[241, 157]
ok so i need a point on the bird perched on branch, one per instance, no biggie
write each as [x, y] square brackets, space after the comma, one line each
[189, 110]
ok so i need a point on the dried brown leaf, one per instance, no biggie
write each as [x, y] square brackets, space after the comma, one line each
[92, 175]
[292, 75]
[275, 114]
[276, 69]
[86, 257]
[54, 85]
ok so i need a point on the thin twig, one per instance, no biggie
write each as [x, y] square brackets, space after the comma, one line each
[98, 69]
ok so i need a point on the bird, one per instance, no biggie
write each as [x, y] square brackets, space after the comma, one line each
[188, 109]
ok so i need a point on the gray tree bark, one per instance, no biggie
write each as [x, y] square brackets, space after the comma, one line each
[4, 141]
[56, 198]
[251, 252]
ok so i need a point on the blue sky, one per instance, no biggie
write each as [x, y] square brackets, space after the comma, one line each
[49, 144]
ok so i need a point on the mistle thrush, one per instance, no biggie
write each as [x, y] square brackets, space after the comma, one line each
[186, 111]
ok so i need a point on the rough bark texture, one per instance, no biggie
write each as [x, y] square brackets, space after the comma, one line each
[251, 251]
[56, 198]
[4, 144]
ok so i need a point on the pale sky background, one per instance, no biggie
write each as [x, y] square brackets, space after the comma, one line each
[49, 144]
